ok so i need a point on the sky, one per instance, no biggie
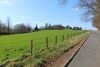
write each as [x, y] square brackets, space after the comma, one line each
[39, 12]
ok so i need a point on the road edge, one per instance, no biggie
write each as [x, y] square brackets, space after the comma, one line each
[72, 57]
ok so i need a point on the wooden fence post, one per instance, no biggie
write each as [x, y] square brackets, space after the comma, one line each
[68, 36]
[62, 37]
[31, 47]
[56, 40]
[47, 42]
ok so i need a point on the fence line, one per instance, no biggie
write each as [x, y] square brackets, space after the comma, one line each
[63, 37]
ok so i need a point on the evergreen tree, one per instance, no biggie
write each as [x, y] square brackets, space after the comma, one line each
[36, 28]
[46, 25]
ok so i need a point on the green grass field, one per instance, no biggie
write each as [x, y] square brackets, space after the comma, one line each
[13, 46]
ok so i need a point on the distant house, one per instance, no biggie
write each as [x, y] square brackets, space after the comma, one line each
[55, 27]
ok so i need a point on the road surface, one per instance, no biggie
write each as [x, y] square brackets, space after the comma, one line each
[89, 54]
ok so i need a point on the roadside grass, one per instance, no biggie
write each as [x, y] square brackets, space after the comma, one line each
[53, 53]
[17, 45]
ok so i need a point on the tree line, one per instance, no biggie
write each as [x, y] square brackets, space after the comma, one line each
[18, 28]
[58, 27]
[7, 28]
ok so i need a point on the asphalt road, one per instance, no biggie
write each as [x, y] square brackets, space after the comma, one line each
[89, 54]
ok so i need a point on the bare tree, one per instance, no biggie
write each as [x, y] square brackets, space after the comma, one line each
[91, 11]
[8, 21]
[3, 28]
[22, 28]
[0, 25]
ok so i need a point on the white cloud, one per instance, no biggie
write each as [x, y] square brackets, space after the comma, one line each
[76, 9]
[7, 2]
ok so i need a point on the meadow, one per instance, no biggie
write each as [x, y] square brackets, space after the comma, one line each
[15, 45]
